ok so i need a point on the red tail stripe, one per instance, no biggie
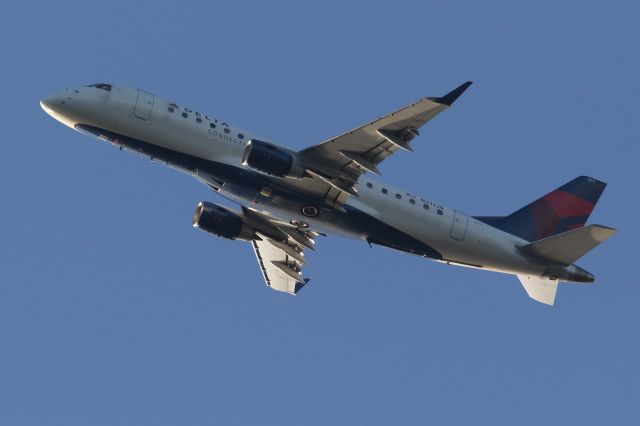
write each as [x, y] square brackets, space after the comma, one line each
[565, 204]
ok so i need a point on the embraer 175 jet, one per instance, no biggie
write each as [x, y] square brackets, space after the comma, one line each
[288, 197]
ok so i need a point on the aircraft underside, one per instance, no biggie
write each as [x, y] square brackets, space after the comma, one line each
[245, 188]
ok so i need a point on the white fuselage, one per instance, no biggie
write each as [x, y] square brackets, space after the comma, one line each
[137, 115]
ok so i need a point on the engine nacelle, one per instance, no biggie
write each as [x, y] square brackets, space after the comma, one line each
[272, 160]
[222, 222]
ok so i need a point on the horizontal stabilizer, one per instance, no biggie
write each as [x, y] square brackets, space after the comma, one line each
[541, 289]
[569, 246]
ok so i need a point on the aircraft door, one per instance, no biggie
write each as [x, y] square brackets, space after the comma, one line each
[144, 105]
[459, 227]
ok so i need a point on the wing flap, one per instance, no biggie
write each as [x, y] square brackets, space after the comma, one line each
[377, 139]
[280, 251]
[280, 271]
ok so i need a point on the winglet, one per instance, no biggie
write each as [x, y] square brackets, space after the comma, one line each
[451, 97]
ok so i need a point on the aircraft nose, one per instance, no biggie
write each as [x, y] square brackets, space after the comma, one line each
[50, 103]
[59, 105]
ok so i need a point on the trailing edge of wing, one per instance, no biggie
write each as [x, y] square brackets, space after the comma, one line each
[280, 271]
[281, 259]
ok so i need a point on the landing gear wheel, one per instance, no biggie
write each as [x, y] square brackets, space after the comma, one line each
[299, 224]
[310, 211]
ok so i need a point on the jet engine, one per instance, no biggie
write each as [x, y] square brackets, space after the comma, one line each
[222, 222]
[272, 160]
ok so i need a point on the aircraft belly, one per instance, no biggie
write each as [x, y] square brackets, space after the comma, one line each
[478, 246]
[380, 220]
[490, 249]
[289, 208]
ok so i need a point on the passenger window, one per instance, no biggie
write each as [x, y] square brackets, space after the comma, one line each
[398, 196]
[240, 136]
[425, 206]
[212, 125]
[185, 115]
[226, 130]
[440, 212]
[171, 109]
[199, 120]
[369, 185]
[384, 190]
[412, 201]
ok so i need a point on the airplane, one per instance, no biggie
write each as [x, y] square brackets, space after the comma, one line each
[289, 198]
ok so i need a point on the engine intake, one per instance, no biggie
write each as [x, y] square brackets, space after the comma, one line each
[272, 160]
[218, 220]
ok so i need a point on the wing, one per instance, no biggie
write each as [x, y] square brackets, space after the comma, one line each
[281, 271]
[280, 251]
[341, 160]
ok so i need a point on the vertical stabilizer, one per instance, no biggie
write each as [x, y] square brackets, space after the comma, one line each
[562, 210]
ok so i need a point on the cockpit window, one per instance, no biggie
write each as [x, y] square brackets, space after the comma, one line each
[101, 86]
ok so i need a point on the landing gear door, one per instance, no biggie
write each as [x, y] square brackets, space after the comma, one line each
[459, 227]
[144, 105]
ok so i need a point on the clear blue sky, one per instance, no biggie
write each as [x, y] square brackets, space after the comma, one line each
[114, 310]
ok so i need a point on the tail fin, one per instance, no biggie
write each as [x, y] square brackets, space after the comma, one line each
[569, 246]
[562, 210]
